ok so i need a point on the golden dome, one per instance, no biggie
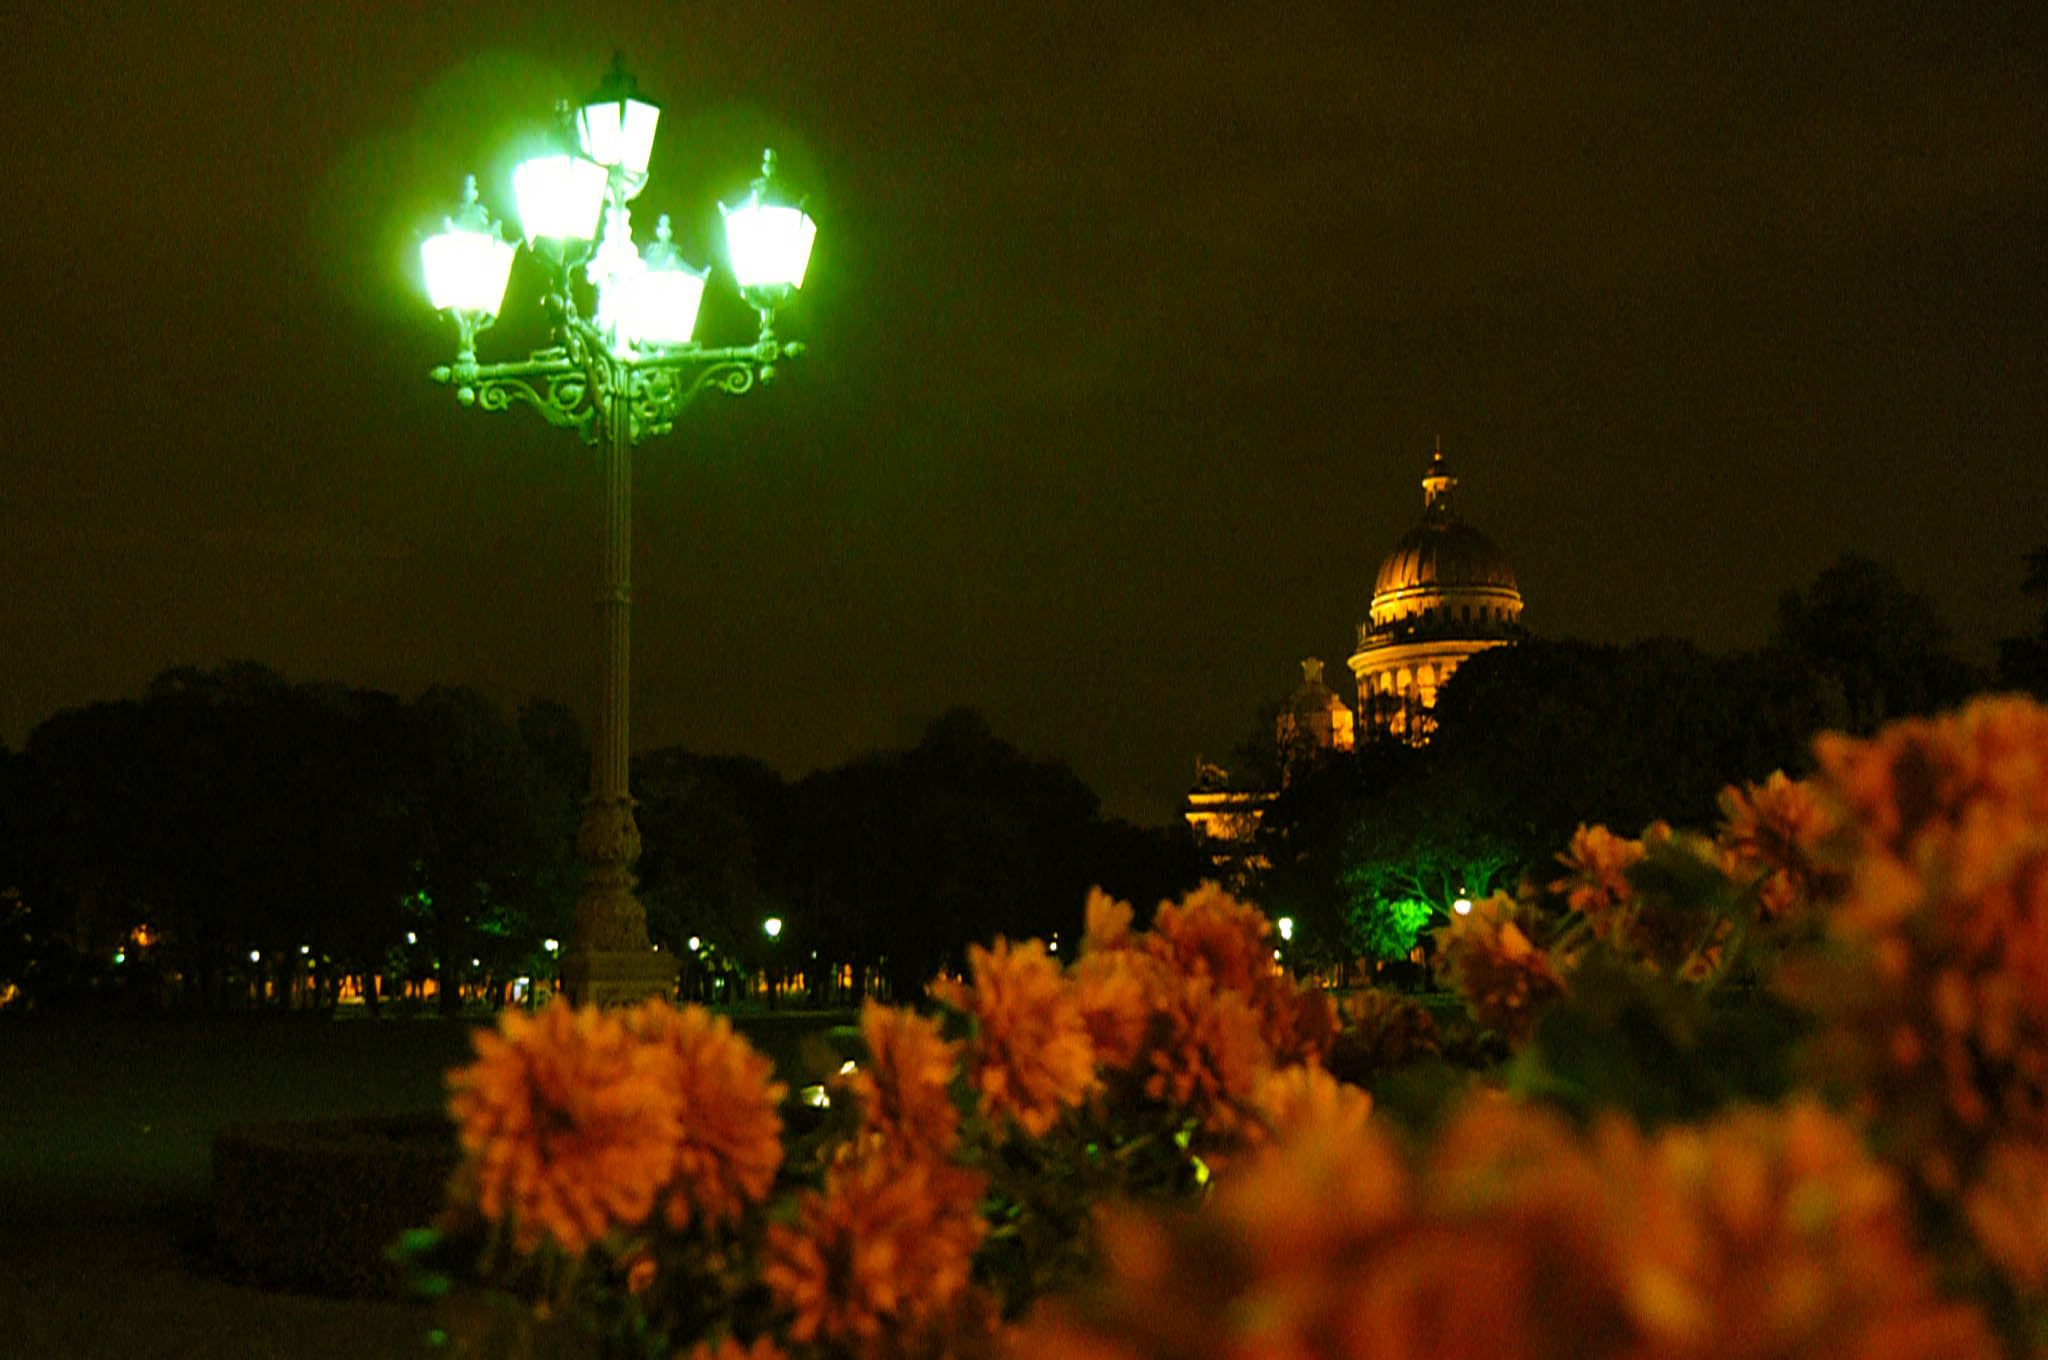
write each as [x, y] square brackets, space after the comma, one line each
[1444, 594]
[1443, 553]
[1444, 573]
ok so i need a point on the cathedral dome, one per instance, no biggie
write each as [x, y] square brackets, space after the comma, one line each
[1443, 595]
[1444, 553]
[1445, 574]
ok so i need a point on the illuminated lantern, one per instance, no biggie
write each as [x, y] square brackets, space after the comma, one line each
[768, 240]
[615, 127]
[466, 263]
[560, 197]
[665, 295]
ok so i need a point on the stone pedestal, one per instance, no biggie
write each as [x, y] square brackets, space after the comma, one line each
[617, 977]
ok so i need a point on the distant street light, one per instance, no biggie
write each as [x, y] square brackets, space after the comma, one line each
[621, 374]
[1463, 906]
[772, 927]
[1286, 924]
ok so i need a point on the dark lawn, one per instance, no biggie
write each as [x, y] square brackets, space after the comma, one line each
[105, 1132]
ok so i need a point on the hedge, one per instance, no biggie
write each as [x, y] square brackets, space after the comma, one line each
[313, 1205]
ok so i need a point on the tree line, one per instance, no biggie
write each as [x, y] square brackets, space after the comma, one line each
[232, 839]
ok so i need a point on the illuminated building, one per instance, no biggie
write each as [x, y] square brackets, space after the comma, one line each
[1314, 722]
[1443, 594]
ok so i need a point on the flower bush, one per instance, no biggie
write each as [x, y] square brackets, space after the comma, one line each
[1778, 1090]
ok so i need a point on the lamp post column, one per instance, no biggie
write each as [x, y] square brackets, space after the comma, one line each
[610, 960]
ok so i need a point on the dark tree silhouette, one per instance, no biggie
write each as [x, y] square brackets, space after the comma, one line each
[1882, 645]
[2023, 661]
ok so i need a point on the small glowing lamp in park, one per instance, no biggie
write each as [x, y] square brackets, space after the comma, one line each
[772, 927]
[696, 944]
[551, 944]
[1463, 906]
[1286, 924]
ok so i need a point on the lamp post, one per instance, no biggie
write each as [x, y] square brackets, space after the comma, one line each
[620, 374]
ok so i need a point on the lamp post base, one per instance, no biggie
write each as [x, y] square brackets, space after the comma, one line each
[617, 977]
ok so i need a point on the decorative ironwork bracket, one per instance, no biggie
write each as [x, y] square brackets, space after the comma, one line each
[572, 388]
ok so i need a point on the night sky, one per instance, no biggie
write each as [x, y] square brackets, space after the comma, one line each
[1132, 327]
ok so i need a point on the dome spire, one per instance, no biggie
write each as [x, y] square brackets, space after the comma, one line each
[1437, 484]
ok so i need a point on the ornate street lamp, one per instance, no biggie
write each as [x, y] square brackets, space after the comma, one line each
[617, 374]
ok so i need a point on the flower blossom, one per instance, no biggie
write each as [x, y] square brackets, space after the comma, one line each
[568, 1124]
[1030, 1058]
[1776, 834]
[1597, 885]
[1505, 979]
[1382, 1030]
[728, 1143]
[1210, 934]
[882, 1252]
[1209, 1056]
[1765, 1233]
[1934, 997]
[904, 1087]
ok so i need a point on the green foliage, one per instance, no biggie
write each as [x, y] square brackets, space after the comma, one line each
[1389, 928]
[1662, 1051]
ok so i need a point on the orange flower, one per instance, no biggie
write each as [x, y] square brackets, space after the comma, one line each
[568, 1124]
[1108, 923]
[1031, 1057]
[1382, 1030]
[1209, 1055]
[1121, 992]
[1487, 959]
[1762, 1234]
[1772, 1232]
[884, 1250]
[729, 1137]
[1291, 1100]
[1935, 996]
[1297, 1021]
[1212, 935]
[1597, 886]
[904, 1087]
[2007, 1210]
[1775, 834]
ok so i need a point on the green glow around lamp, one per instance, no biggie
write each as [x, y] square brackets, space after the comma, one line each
[615, 127]
[768, 240]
